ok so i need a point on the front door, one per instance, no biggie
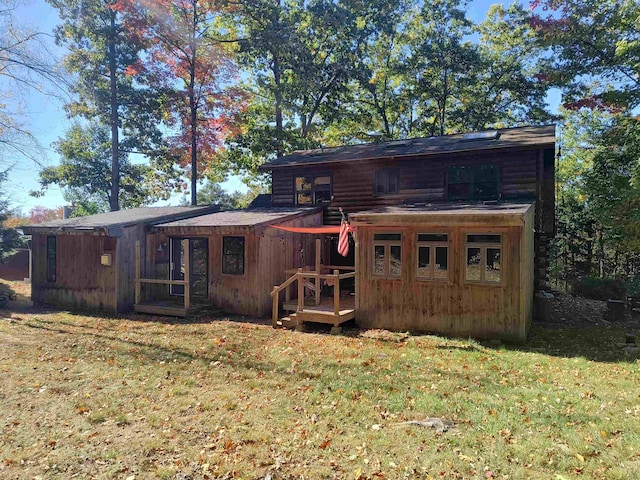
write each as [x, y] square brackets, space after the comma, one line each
[198, 266]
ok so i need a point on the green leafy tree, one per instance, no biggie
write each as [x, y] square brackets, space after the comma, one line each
[595, 50]
[212, 193]
[104, 56]
[300, 56]
[84, 173]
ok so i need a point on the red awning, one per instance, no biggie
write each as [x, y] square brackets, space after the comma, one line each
[323, 229]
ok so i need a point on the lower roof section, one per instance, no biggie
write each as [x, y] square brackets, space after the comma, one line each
[248, 218]
[470, 214]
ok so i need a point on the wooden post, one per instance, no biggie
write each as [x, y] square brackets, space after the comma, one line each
[276, 296]
[300, 290]
[287, 291]
[318, 247]
[187, 274]
[137, 274]
[336, 293]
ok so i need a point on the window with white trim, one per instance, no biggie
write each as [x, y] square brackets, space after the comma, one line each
[483, 258]
[387, 255]
[433, 256]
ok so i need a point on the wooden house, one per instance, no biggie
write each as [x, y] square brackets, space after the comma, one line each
[451, 236]
[452, 232]
[89, 262]
[229, 260]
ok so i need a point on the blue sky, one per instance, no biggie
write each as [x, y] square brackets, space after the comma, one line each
[46, 120]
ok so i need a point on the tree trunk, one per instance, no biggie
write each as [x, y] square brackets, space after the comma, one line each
[278, 106]
[193, 109]
[114, 203]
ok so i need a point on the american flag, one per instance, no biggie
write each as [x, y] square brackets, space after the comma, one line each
[343, 239]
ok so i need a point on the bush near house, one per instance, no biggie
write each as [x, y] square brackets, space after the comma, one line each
[600, 288]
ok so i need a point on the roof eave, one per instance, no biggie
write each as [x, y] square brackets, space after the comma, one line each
[269, 167]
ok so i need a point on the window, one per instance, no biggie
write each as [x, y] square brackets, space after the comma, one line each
[311, 190]
[387, 254]
[483, 258]
[51, 259]
[386, 181]
[233, 255]
[433, 256]
[473, 182]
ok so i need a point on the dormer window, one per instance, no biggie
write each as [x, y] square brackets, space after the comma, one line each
[313, 190]
[386, 181]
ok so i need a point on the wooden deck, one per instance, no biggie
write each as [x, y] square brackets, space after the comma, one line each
[324, 311]
[175, 308]
[332, 310]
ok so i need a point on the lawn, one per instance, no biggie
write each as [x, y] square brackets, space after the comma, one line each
[87, 396]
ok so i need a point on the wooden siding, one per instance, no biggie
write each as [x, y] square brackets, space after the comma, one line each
[527, 274]
[82, 282]
[453, 307]
[268, 253]
[422, 179]
[125, 259]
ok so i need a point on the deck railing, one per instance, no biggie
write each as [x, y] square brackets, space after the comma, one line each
[303, 278]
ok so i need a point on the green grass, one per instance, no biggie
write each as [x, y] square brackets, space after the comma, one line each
[109, 398]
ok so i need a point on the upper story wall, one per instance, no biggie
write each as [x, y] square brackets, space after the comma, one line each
[521, 174]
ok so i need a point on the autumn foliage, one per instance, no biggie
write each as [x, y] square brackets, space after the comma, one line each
[190, 63]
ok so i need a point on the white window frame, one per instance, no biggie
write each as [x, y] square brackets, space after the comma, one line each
[483, 246]
[432, 256]
[387, 244]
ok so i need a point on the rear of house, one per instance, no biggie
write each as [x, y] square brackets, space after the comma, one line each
[452, 232]
[233, 261]
[88, 262]
[451, 236]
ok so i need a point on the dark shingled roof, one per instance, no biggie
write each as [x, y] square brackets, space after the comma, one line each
[261, 201]
[520, 137]
[111, 223]
[250, 217]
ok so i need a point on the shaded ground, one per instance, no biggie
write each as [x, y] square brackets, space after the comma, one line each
[578, 312]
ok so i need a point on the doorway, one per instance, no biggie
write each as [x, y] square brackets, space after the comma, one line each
[198, 266]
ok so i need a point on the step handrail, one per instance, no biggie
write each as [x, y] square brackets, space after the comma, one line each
[299, 277]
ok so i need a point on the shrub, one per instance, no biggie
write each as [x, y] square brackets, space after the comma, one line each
[633, 286]
[6, 294]
[600, 288]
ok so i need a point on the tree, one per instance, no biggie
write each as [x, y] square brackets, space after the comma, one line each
[300, 56]
[595, 50]
[189, 58]
[505, 88]
[25, 64]
[9, 238]
[213, 194]
[104, 55]
[84, 173]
